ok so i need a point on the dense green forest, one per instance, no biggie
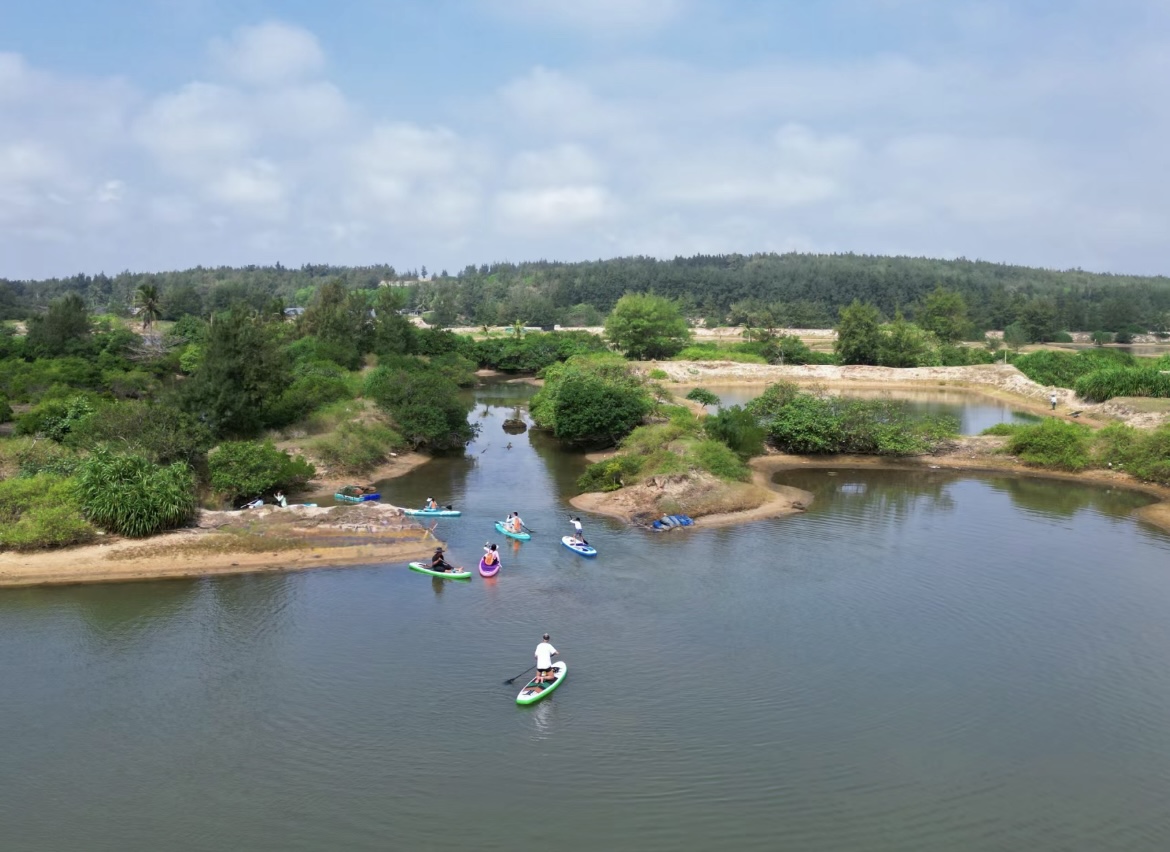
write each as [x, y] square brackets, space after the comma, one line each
[807, 291]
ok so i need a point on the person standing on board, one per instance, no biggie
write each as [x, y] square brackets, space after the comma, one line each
[544, 654]
[577, 533]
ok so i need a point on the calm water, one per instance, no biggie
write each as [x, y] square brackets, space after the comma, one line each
[921, 662]
[974, 413]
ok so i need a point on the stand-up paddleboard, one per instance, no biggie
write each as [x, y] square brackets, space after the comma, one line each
[522, 536]
[534, 691]
[434, 513]
[577, 546]
[423, 568]
[486, 570]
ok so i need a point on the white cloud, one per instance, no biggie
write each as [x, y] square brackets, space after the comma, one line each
[268, 54]
[197, 128]
[611, 16]
[552, 207]
[568, 163]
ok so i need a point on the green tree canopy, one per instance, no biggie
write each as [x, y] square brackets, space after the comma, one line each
[645, 326]
[858, 334]
[944, 312]
[62, 330]
[241, 374]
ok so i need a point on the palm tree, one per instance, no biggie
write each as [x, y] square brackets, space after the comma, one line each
[147, 300]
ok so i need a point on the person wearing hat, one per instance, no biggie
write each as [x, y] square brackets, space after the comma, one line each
[430, 505]
[544, 667]
[438, 563]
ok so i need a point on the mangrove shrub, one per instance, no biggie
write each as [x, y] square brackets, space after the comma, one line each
[591, 400]
[41, 511]
[1052, 443]
[251, 468]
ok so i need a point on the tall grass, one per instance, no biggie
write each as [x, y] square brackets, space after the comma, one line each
[355, 448]
[41, 512]
[1053, 443]
[1062, 369]
[130, 495]
[1109, 382]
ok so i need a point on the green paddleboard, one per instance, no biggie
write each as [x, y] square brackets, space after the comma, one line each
[534, 691]
[423, 568]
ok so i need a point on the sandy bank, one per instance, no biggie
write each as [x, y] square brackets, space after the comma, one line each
[642, 503]
[999, 381]
[253, 541]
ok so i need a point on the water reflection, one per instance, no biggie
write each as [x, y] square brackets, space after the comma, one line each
[876, 493]
[973, 411]
[1061, 500]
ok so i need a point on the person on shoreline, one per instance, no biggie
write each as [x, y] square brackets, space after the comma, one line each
[281, 500]
[578, 534]
[544, 654]
[1052, 399]
[438, 563]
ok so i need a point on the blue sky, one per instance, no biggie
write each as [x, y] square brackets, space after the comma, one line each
[161, 134]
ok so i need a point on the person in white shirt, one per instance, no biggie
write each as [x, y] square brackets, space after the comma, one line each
[517, 524]
[544, 667]
[577, 533]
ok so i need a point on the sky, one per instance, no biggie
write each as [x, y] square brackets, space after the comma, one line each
[149, 135]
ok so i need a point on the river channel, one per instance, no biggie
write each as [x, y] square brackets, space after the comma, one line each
[922, 661]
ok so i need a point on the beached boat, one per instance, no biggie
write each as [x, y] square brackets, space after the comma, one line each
[355, 494]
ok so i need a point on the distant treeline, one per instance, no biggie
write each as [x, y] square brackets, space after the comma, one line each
[807, 289]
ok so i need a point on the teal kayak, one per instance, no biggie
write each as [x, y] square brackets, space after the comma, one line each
[423, 568]
[522, 536]
[534, 691]
[434, 513]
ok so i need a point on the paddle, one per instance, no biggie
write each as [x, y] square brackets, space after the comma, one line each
[526, 671]
[528, 528]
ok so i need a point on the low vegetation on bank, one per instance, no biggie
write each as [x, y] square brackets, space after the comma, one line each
[1057, 444]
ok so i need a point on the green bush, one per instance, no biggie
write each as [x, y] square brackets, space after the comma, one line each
[711, 353]
[162, 432]
[1062, 337]
[1052, 443]
[703, 396]
[132, 496]
[426, 406]
[717, 458]
[1062, 369]
[611, 474]
[35, 456]
[5, 410]
[55, 418]
[658, 375]
[251, 468]
[1109, 382]
[315, 384]
[356, 448]
[1145, 455]
[799, 422]
[41, 512]
[1003, 429]
[591, 400]
[737, 428]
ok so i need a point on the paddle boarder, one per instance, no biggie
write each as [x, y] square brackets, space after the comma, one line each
[544, 667]
[430, 505]
[491, 556]
[438, 563]
[577, 533]
[517, 524]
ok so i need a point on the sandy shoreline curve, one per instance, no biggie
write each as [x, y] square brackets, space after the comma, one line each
[269, 539]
